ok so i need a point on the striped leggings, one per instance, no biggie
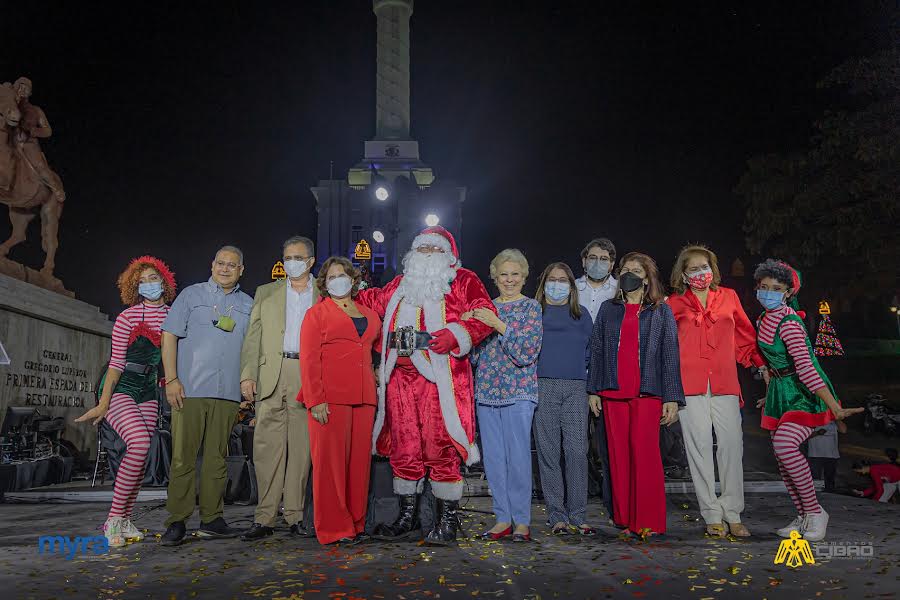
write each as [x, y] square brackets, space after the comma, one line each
[794, 467]
[135, 424]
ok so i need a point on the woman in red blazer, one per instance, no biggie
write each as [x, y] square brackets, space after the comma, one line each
[337, 385]
[714, 334]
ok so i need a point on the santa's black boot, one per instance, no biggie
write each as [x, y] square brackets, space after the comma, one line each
[446, 523]
[407, 523]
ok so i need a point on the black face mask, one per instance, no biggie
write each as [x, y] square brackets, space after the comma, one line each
[630, 282]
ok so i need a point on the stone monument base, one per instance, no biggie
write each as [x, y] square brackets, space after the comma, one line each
[57, 347]
[22, 273]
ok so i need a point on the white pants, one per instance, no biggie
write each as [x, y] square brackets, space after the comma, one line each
[889, 489]
[698, 418]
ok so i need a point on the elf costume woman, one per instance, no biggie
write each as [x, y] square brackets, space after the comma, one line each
[129, 397]
[799, 397]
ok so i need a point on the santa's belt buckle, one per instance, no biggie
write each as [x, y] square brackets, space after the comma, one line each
[405, 339]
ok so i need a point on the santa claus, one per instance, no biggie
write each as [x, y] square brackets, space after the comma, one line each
[426, 418]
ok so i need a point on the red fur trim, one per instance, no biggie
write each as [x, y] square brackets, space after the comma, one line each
[162, 268]
[798, 416]
[142, 329]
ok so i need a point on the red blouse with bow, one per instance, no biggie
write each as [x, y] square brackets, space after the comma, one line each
[712, 340]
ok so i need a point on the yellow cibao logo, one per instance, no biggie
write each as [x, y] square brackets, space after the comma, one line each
[794, 551]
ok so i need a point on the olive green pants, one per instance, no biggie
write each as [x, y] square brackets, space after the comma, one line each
[201, 423]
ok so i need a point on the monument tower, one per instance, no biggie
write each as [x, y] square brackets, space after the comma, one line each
[390, 195]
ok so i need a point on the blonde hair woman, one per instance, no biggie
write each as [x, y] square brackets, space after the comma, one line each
[506, 395]
[714, 334]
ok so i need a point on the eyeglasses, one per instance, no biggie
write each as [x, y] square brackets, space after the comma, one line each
[295, 257]
[598, 259]
[430, 249]
[697, 268]
[228, 266]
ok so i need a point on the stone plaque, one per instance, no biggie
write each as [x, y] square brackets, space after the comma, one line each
[57, 348]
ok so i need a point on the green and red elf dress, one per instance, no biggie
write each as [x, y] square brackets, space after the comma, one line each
[136, 351]
[795, 373]
[133, 407]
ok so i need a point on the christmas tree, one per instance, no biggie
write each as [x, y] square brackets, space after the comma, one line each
[827, 343]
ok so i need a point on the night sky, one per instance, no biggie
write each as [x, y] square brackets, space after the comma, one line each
[179, 127]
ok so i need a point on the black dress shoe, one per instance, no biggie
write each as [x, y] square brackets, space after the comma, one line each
[174, 534]
[353, 541]
[217, 528]
[257, 532]
[300, 531]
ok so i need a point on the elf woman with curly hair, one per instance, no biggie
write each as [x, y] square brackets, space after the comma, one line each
[799, 398]
[128, 400]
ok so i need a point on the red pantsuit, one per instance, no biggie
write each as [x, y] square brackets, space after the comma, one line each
[336, 369]
[632, 435]
[638, 486]
[341, 453]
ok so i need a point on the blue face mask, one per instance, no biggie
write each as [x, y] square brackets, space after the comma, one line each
[770, 299]
[151, 291]
[557, 290]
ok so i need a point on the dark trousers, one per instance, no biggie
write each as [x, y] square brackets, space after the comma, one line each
[819, 465]
[601, 452]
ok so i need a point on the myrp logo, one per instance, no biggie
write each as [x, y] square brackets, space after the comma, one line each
[57, 544]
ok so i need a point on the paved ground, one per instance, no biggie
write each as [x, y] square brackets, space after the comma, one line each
[682, 564]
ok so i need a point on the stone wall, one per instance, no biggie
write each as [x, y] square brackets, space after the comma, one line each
[58, 347]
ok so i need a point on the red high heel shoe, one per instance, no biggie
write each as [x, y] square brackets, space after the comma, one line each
[490, 535]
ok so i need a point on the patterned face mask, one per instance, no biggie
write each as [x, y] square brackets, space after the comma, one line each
[700, 280]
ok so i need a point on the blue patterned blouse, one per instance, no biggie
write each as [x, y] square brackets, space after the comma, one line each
[506, 365]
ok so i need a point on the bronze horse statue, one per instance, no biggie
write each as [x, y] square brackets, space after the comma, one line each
[22, 190]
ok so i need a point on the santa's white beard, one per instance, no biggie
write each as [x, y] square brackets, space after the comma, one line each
[426, 277]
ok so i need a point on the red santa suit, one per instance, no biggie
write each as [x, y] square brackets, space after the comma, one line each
[425, 421]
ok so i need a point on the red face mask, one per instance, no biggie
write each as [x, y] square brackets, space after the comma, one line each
[700, 280]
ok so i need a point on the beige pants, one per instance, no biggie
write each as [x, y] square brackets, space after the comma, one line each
[281, 449]
[698, 418]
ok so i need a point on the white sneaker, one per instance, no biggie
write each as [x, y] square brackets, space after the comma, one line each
[131, 533]
[814, 526]
[796, 525]
[112, 529]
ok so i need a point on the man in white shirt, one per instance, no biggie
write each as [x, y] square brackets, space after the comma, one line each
[597, 285]
[270, 376]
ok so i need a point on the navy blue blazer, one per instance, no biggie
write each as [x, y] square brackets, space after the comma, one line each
[659, 358]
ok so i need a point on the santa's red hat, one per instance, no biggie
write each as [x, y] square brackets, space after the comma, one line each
[440, 237]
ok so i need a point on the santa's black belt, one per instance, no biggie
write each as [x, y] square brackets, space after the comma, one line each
[407, 340]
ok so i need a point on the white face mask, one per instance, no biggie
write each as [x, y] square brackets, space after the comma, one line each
[295, 268]
[340, 286]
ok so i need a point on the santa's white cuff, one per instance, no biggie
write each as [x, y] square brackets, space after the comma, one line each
[463, 339]
[407, 487]
[447, 490]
